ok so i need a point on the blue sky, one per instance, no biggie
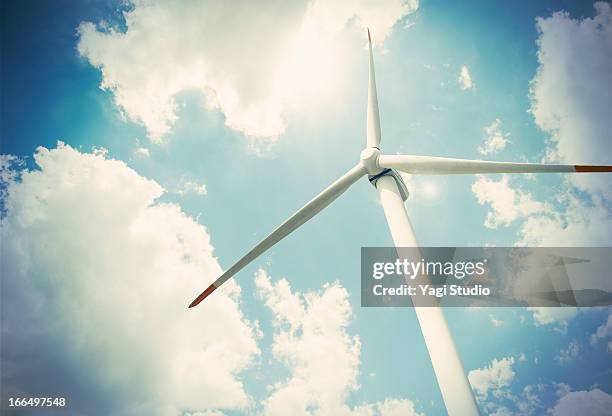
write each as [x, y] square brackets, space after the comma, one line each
[533, 84]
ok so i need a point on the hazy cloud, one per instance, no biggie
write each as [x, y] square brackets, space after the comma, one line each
[568, 354]
[465, 79]
[253, 61]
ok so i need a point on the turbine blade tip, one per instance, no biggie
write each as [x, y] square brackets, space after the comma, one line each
[369, 37]
[202, 296]
[592, 168]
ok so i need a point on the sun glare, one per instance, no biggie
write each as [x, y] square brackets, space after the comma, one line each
[430, 190]
[313, 66]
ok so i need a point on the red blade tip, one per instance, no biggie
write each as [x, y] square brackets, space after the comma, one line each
[203, 296]
[369, 38]
[591, 168]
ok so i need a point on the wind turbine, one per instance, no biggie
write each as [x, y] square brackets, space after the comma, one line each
[382, 173]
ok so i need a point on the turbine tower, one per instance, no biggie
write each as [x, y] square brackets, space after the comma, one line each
[382, 173]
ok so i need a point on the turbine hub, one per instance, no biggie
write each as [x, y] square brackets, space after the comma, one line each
[369, 159]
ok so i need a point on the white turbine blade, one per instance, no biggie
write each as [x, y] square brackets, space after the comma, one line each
[428, 165]
[292, 223]
[373, 120]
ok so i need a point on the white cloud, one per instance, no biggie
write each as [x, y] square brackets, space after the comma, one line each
[569, 354]
[502, 411]
[465, 80]
[557, 316]
[575, 222]
[603, 331]
[494, 377]
[102, 275]
[205, 413]
[592, 403]
[507, 204]
[570, 93]
[568, 220]
[495, 322]
[496, 140]
[142, 152]
[530, 400]
[323, 359]
[570, 102]
[187, 187]
[9, 172]
[561, 389]
[492, 387]
[253, 61]
[387, 407]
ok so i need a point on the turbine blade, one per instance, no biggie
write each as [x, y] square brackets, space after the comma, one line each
[428, 165]
[292, 223]
[373, 119]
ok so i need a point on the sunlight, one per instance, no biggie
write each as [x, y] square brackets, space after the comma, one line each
[313, 66]
[430, 190]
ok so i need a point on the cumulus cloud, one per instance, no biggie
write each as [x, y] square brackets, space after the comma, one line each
[465, 80]
[530, 400]
[96, 277]
[604, 330]
[570, 93]
[387, 407]
[561, 389]
[501, 411]
[593, 403]
[9, 171]
[496, 140]
[575, 222]
[253, 61]
[492, 378]
[187, 187]
[311, 338]
[492, 386]
[568, 354]
[558, 317]
[142, 152]
[507, 204]
[570, 103]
